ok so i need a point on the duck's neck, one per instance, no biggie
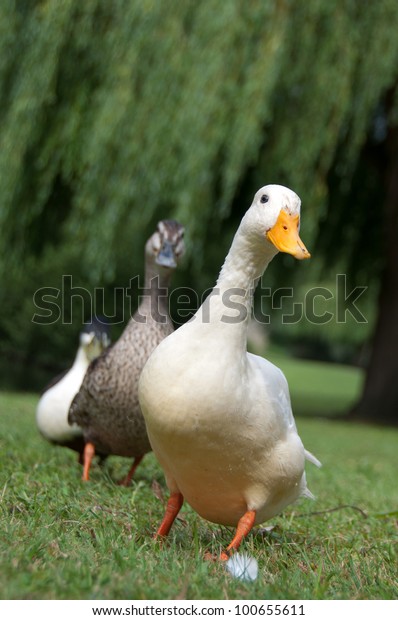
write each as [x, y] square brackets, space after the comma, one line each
[81, 359]
[154, 302]
[229, 305]
[245, 263]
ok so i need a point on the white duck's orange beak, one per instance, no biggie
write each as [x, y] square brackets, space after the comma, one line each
[285, 236]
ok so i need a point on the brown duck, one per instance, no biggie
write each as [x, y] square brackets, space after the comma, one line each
[106, 407]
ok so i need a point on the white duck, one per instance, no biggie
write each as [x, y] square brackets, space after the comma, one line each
[53, 406]
[219, 419]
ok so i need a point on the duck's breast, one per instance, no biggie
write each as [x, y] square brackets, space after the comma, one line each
[220, 430]
[52, 409]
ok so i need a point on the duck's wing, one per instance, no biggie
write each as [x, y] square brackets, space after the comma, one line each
[279, 395]
[87, 399]
[276, 387]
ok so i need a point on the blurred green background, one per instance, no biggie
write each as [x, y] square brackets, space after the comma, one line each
[118, 114]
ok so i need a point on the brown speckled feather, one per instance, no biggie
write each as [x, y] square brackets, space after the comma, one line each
[106, 406]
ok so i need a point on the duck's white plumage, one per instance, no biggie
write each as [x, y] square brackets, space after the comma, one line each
[53, 406]
[219, 418]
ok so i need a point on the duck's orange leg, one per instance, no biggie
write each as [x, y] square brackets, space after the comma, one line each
[88, 455]
[245, 525]
[173, 507]
[127, 479]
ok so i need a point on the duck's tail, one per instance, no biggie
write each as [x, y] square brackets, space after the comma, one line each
[312, 459]
[305, 492]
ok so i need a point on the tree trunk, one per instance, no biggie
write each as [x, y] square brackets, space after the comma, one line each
[379, 400]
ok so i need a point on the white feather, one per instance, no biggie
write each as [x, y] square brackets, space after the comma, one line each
[242, 566]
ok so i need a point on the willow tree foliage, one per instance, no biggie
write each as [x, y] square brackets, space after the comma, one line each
[116, 114]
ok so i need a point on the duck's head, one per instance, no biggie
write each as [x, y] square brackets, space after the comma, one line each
[95, 337]
[166, 246]
[275, 216]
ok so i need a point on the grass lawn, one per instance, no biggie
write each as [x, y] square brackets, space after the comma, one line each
[63, 539]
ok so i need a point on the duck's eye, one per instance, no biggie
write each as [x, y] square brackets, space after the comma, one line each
[264, 198]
